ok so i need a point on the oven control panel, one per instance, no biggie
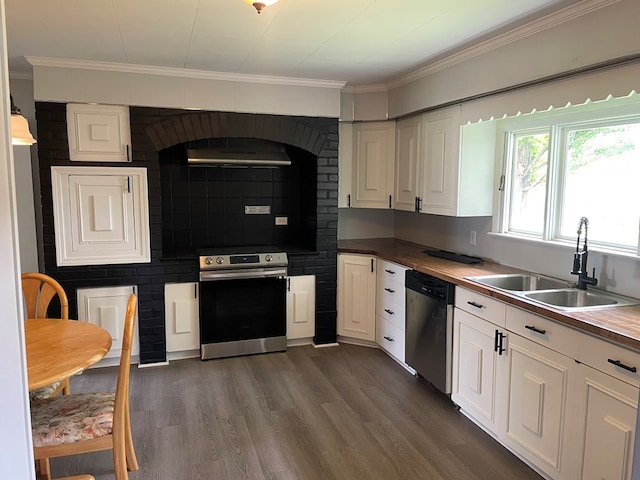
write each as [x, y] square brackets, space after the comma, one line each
[218, 262]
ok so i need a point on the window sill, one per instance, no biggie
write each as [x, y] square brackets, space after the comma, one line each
[566, 245]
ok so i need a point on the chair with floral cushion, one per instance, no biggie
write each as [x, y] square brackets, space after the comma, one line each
[38, 291]
[89, 422]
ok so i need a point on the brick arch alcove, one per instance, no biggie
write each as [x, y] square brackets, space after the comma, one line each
[154, 129]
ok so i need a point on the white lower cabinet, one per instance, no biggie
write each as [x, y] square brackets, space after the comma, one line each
[181, 315]
[301, 307]
[357, 296]
[607, 424]
[105, 307]
[475, 367]
[390, 308]
[564, 401]
[536, 384]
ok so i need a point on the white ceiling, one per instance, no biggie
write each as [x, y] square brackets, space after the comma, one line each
[361, 42]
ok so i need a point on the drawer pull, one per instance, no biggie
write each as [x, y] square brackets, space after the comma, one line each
[391, 272]
[618, 363]
[389, 290]
[389, 311]
[389, 339]
[477, 305]
[534, 329]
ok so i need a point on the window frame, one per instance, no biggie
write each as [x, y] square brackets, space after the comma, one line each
[558, 122]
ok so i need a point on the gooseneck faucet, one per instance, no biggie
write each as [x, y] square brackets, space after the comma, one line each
[580, 259]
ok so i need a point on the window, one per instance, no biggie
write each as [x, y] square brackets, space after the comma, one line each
[581, 162]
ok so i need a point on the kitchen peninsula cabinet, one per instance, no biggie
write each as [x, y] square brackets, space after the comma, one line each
[366, 162]
[357, 296]
[181, 313]
[101, 215]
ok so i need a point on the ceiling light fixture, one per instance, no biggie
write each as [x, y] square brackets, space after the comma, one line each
[260, 5]
[20, 133]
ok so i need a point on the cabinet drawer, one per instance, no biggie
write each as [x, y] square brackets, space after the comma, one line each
[599, 354]
[481, 306]
[391, 311]
[390, 291]
[391, 271]
[390, 338]
[543, 331]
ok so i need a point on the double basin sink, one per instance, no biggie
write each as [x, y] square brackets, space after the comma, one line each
[553, 292]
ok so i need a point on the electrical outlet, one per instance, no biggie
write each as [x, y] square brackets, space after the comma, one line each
[473, 237]
[282, 220]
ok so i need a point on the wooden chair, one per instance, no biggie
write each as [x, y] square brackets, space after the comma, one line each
[89, 422]
[38, 290]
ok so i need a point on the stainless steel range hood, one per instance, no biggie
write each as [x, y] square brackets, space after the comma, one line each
[217, 156]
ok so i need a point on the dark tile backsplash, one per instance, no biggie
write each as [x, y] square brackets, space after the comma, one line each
[204, 206]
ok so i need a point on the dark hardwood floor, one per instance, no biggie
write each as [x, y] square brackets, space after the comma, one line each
[346, 412]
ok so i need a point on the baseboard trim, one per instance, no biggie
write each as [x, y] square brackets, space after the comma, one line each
[323, 345]
[155, 364]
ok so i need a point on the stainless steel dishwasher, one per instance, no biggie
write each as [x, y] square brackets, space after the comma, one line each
[429, 328]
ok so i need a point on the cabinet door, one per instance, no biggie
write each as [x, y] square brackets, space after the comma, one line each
[105, 307]
[374, 148]
[98, 133]
[536, 392]
[356, 296]
[408, 151]
[101, 215]
[608, 410]
[439, 172]
[345, 164]
[301, 307]
[181, 314]
[475, 365]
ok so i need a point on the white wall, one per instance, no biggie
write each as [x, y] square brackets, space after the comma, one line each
[16, 451]
[365, 223]
[22, 91]
[538, 50]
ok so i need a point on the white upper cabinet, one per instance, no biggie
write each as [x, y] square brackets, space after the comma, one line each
[345, 163]
[439, 167]
[443, 168]
[408, 154]
[98, 133]
[101, 215]
[366, 162]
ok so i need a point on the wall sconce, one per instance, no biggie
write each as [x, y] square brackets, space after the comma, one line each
[20, 133]
[259, 5]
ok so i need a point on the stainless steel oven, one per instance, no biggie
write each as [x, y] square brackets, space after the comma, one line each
[242, 304]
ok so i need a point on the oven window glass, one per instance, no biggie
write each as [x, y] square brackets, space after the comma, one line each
[243, 309]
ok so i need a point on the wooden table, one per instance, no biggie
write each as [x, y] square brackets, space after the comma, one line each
[58, 349]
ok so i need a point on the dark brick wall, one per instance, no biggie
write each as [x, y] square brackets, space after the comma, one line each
[153, 130]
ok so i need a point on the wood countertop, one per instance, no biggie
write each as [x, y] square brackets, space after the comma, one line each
[618, 324]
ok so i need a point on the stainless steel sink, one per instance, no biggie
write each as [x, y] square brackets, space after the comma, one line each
[520, 282]
[574, 299]
[553, 292]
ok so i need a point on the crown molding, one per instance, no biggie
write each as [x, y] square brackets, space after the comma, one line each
[182, 72]
[379, 88]
[536, 26]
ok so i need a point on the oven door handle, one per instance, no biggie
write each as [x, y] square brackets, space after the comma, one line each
[240, 274]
